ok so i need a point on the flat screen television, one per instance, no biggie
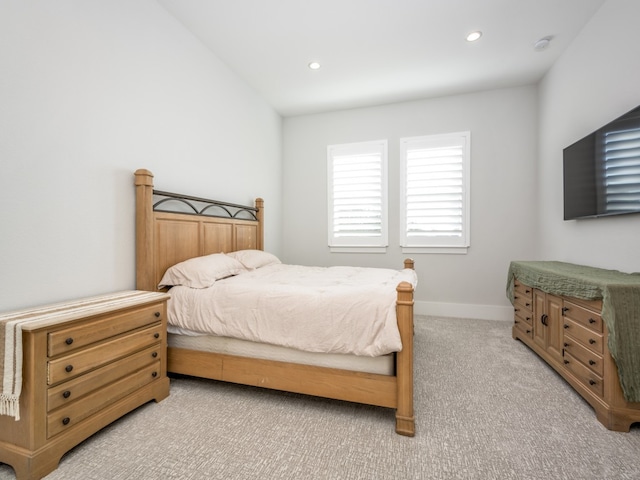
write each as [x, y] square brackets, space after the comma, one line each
[601, 172]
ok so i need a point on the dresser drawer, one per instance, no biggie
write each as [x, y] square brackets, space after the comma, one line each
[524, 317]
[583, 316]
[590, 339]
[73, 413]
[592, 381]
[75, 364]
[523, 304]
[522, 291]
[523, 308]
[70, 339]
[72, 390]
[590, 359]
[524, 327]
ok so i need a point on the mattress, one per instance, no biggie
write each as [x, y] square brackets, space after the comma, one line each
[343, 310]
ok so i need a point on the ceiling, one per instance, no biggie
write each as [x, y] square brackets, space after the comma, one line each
[375, 52]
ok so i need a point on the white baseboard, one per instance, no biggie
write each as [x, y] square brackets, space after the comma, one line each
[464, 310]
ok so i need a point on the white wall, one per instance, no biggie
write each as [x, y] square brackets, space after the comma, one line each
[596, 80]
[503, 125]
[89, 92]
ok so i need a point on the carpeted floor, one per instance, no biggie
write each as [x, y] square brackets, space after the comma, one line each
[486, 408]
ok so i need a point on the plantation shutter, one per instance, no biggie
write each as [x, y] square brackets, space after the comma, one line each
[357, 195]
[435, 191]
[622, 170]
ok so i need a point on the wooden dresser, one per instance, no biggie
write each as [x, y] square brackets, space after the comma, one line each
[85, 364]
[571, 336]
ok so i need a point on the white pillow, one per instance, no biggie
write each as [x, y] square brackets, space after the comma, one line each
[253, 259]
[201, 272]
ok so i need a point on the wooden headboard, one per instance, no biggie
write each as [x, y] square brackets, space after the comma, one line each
[171, 228]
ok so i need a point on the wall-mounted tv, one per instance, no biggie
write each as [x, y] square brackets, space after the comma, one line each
[602, 170]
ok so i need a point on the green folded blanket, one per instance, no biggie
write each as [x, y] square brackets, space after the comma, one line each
[620, 295]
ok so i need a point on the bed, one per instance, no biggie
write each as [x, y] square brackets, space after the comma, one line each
[173, 228]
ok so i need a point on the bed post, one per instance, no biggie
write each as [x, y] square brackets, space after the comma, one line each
[405, 421]
[145, 259]
[259, 204]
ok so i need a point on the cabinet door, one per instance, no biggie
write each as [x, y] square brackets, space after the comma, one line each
[548, 325]
[539, 328]
[554, 327]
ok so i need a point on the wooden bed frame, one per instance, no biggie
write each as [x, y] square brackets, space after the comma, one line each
[164, 238]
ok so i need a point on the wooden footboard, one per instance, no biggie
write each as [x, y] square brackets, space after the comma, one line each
[164, 238]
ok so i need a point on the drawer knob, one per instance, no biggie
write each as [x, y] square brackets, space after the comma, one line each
[566, 326]
[66, 420]
[592, 341]
[592, 382]
[566, 362]
[154, 354]
[566, 344]
[69, 341]
[156, 335]
[591, 362]
[66, 394]
[591, 320]
[154, 374]
[68, 368]
[565, 310]
[528, 331]
[157, 314]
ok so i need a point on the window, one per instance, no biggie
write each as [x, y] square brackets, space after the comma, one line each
[435, 193]
[357, 174]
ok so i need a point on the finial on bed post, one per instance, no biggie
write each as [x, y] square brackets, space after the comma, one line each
[144, 230]
[408, 263]
[259, 204]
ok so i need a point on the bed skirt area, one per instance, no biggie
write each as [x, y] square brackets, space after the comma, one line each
[383, 365]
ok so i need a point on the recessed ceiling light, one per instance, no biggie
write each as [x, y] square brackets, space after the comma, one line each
[314, 65]
[473, 36]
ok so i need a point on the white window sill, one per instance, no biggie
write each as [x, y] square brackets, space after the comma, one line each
[448, 250]
[357, 249]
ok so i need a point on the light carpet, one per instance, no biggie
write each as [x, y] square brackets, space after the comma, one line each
[486, 408]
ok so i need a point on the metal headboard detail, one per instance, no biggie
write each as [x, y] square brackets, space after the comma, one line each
[202, 206]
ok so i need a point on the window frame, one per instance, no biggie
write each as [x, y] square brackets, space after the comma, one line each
[437, 244]
[357, 244]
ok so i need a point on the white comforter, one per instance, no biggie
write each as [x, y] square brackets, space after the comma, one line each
[333, 310]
